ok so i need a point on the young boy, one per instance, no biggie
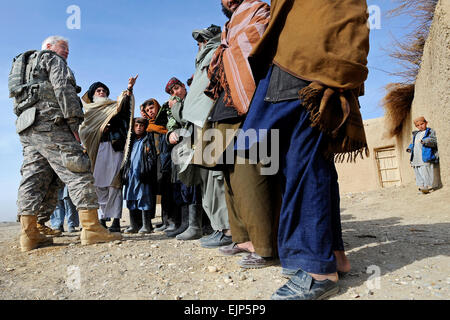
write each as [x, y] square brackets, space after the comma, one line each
[150, 110]
[190, 196]
[424, 154]
[140, 179]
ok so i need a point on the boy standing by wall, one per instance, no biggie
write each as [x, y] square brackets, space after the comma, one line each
[424, 154]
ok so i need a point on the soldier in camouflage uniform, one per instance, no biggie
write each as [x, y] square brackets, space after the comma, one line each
[51, 146]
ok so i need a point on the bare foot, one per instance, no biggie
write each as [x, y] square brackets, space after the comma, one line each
[321, 277]
[343, 264]
[246, 245]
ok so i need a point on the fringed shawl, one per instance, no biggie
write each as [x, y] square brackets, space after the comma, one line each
[325, 42]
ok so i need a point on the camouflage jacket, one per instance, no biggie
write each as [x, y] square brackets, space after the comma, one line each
[58, 97]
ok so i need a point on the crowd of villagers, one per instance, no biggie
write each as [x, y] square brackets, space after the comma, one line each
[294, 66]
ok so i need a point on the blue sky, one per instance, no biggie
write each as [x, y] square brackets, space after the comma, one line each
[151, 38]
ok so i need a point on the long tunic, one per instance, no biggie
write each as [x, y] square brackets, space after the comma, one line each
[137, 194]
[107, 165]
[417, 160]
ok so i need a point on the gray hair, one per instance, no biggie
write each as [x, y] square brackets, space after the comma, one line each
[52, 40]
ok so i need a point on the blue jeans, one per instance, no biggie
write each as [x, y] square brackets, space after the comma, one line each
[64, 209]
[310, 225]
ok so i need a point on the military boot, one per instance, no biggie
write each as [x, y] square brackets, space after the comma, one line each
[194, 231]
[30, 237]
[48, 231]
[92, 231]
[146, 222]
[184, 222]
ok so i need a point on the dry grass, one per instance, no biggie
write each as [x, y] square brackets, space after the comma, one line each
[397, 105]
[408, 52]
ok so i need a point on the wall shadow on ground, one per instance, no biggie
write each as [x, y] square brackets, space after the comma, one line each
[389, 245]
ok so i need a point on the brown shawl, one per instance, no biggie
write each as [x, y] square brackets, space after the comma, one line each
[97, 115]
[326, 42]
[229, 68]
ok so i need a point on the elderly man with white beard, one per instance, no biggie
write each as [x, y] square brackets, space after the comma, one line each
[106, 133]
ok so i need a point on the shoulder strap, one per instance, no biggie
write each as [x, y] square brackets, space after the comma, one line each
[16, 78]
[39, 57]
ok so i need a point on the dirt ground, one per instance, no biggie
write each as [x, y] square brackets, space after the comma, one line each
[397, 240]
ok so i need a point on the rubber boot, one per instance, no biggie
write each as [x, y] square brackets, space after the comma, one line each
[184, 222]
[194, 231]
[172, 219]
[30, 237]
[93, 232]
[135, 221]
[146, 222]
[115, 226]
[164, 225]
[103, 223]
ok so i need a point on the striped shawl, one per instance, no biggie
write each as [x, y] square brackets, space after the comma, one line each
[229, 69]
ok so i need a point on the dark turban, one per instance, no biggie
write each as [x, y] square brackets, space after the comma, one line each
[172, 82]
[94, 87]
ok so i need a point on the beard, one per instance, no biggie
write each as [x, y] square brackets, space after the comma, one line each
[227, 12]
[100, 99]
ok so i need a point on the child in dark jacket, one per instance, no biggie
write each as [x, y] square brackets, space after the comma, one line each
[157, 119]
[140, 179]
[424, 155]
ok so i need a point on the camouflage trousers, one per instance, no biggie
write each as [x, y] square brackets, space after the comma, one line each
[51, 151]
[50, 200]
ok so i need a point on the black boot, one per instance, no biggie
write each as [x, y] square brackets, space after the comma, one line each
[146, 222]
[169, 227]
[103, 223]
[115, 226]
[162, 226]
[206, 224]
[135, 221]
[184, 222]
[174, 219]
[194, 230]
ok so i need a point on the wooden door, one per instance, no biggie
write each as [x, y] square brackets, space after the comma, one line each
[388, 170]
